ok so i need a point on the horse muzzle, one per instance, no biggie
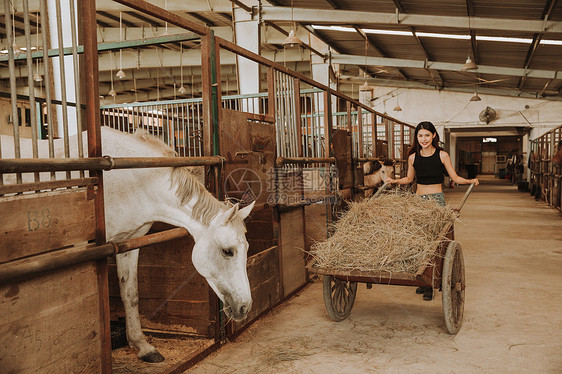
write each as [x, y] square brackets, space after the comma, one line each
[237, 311]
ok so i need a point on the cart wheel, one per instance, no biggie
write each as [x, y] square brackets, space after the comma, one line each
[339, 296]
[452, 286]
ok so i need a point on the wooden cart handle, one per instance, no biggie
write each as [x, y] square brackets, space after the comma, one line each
[381, 189]
[465, 197]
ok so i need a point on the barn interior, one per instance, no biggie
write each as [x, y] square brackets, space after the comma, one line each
[291, 98]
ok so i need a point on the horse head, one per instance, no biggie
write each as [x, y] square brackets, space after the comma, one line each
[220, 255]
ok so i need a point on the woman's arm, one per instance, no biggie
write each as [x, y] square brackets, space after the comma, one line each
[446, 160]
[409, 178]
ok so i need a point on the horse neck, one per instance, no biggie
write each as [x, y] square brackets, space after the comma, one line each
[173, 212]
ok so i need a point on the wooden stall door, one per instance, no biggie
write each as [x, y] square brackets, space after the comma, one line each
[55, 321]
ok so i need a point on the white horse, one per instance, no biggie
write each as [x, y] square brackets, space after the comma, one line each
[375, 173]
[136, 198]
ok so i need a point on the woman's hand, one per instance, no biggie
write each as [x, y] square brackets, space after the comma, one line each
[391, 181]
[474, 181]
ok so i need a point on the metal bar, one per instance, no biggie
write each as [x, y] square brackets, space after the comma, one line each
[327, 122]
[164, 15]
[22, 268]
[281, 161]
[374, 136]
[24, 165]
[279, 149]
[30, 84]
[232, 47]
[158, 237]
[34, 265]
[12, 68]
[62, 83]
[366, 159]
[360, 132]
[110, 46]
[298, 121]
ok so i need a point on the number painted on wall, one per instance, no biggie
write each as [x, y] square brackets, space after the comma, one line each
[37, 219]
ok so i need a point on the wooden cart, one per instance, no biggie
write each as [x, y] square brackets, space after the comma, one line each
[445, 272]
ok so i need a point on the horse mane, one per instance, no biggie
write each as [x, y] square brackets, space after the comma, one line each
[187, 186]
[166, 150]
[371, 167]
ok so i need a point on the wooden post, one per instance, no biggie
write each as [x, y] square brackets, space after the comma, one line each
[91, 81]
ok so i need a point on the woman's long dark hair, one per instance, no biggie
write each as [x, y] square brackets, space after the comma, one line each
[425, 125]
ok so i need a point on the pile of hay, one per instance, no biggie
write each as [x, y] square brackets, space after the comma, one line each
[396, 232]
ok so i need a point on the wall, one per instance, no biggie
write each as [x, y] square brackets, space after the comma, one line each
[453, 109]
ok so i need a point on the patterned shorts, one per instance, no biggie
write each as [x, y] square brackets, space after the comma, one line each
[439, 197]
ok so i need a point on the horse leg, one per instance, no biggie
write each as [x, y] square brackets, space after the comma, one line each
[127, 265]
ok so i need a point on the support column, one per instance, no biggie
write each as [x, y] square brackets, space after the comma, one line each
[247, 35]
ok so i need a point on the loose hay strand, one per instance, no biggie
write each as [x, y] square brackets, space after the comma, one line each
[395, 232]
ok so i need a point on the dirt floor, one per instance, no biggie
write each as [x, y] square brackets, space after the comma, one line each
[513, 255]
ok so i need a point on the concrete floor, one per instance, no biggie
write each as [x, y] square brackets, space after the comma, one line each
[513, 321]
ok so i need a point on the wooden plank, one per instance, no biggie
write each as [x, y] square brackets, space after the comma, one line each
[52, 323]
[41, 222]
[263, 273]
[292, 252]
[47, 185]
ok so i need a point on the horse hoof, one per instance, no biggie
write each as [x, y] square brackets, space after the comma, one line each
[153, 357]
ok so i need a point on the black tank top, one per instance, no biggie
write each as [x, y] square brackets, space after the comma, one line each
[429, 170]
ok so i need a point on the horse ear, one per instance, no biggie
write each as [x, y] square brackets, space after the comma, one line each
[245, 212]
[225, 217]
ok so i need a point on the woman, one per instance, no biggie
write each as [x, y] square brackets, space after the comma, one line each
[428, 162]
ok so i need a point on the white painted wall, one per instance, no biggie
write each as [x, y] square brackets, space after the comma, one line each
[453, 109]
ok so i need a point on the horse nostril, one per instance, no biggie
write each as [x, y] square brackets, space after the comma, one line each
[244, 309]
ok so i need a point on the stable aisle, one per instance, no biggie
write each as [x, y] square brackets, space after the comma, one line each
[513, 256]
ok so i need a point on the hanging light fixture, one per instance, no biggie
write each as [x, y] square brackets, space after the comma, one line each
[121, 74]
[182, 89]
[14, 45]
[166, 33]
[475, 97]
[292, 40]
[469, 65]
[397, 108]
[365, 85]
[37, 77]
[112, 91]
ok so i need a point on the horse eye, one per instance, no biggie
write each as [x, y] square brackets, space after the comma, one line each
[228, 252]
